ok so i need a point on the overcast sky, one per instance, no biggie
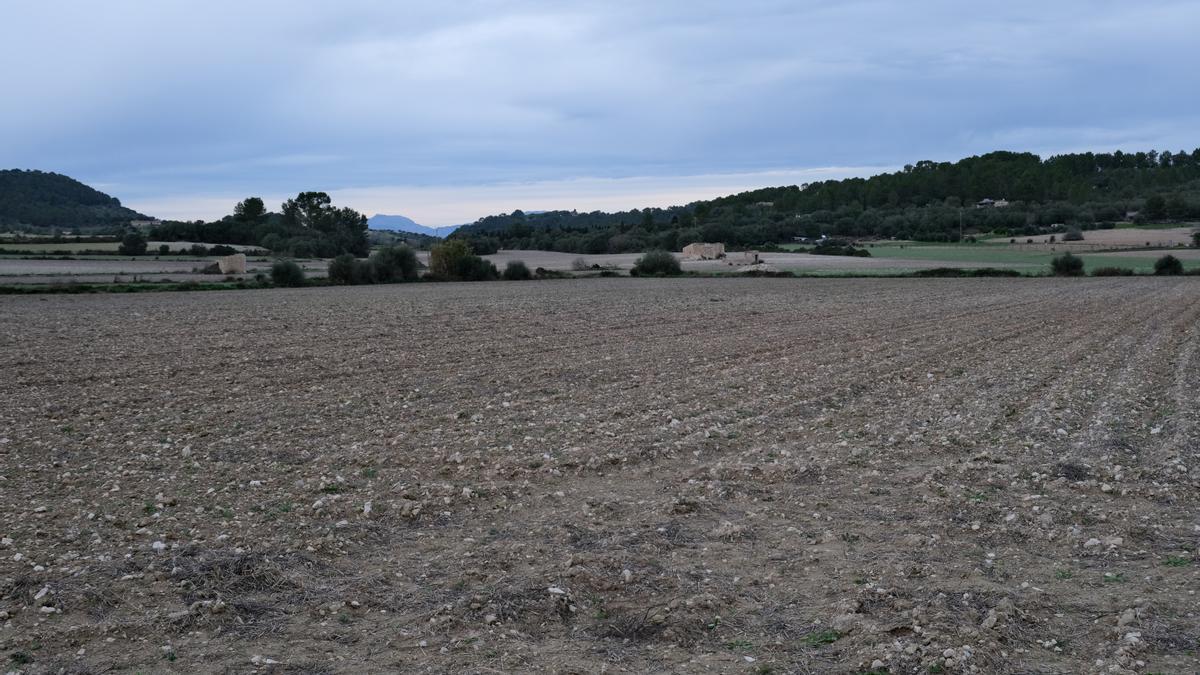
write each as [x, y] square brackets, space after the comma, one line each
[448, 111]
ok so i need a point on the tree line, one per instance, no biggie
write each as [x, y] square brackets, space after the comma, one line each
[928, 201]
[306, 226]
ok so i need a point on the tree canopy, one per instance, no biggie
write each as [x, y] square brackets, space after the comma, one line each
[50, 200]
[307, 226]
[932, 201]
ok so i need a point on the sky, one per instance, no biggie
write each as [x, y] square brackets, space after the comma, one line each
[449, 111]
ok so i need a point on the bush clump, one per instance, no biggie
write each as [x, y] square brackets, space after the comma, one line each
[132, 243]
[346, 270]
[517, 270]
[1168, 265]
[955, 272]
[657, 264]
[1112, 272]
[454, 261]
[839, 247]
[1067, 265]
[394, 263]
[388, 265]
[287, 273]
[1073, 234]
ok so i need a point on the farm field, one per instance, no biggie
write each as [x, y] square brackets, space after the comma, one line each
[71, 247]
[1029, 258]
[636, 475]
[797, 262]
[100, 269]
[1164, 237]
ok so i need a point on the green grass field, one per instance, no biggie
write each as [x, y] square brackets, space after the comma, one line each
[1031, 262]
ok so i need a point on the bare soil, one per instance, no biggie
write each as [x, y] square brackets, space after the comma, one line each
[622, 475]
[1122, 238]
[99, 270]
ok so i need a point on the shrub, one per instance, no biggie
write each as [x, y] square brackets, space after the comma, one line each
[163, 249]
[198, 250]
[1168, 265]
[1112, 272]
[287, 273]
[579, 265]
[343, 270]
[1196, 239]
[1067, 265]
[453, 261]
[222, 249]
[394, 263]
[517, 270]
[952, 272]
[657, 264]
[132, 244]
[543, 273]
[1073, 234]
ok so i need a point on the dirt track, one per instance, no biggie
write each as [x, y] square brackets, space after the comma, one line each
[695, 475]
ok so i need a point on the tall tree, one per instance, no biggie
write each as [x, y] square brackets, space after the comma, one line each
[250, 210]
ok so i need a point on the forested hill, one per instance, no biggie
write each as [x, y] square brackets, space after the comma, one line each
[923, 201]
[51, 200]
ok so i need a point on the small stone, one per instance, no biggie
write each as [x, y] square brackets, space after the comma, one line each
[1127, 617]
[491, 619]
[990, 620]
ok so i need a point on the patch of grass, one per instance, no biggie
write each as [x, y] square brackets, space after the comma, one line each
[369, 472]
[1114, 577]
[1177, 561]
[739, 645]
[20, 658]
[818, 638]
[1063, 574]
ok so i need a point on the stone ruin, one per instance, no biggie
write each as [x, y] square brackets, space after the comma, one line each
[232, 264]
[703, 251]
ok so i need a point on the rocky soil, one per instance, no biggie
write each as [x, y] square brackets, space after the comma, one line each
[606, 475]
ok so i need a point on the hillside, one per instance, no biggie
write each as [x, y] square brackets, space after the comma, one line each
[928, 201]
[49, 200]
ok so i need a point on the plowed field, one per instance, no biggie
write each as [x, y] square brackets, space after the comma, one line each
[691, 475]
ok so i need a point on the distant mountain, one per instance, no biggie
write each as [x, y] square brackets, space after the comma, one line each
[380, 221]
[51, 200]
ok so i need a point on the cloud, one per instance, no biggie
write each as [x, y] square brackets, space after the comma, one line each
[170, 99]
